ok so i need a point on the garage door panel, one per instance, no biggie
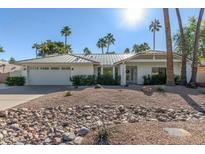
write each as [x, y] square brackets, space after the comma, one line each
[49, 77]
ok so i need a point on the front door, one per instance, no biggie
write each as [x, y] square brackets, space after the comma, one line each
[131, 75]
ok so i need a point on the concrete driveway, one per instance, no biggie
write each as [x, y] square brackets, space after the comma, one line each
[10, 97]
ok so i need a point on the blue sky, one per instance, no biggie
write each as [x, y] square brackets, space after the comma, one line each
[20, 28]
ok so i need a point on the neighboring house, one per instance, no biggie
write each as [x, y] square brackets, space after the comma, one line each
[57, 70]
[7, 69]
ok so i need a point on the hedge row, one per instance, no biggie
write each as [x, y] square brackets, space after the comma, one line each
[15, 81]
[85, 80]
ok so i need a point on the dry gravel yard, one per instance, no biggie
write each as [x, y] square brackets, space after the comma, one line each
[174, 97]
[152, 133]
[135, 117]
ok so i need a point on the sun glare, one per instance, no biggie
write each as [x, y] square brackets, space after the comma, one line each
[132, 16]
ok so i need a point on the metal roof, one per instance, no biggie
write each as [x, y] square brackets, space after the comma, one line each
[68, 58]
[101, 59]
[107, 59]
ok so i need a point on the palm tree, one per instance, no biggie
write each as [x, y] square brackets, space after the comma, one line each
[154, 27]
[170, 75]
[1, 49]
[127, 50]
[109, 40]
[101, 44]
[140, 47]
[37, 47]
[66, 31]
[183, 48]
[86, 51]
[195, 48]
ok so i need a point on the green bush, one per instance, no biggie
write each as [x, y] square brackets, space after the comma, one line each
[160, 89]
[177, 79]
[154, 79]
[108, 80]
[15, 81]
[85, 80]
[159, 79]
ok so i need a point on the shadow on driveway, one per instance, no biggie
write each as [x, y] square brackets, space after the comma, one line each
[34, 89]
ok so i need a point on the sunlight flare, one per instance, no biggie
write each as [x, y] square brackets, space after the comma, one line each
[132, 16]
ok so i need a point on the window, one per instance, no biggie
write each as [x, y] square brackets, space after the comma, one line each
[107, 71]
[33, 68]
[44, 68]
[65, 68]
[158, 71]
[55, 68]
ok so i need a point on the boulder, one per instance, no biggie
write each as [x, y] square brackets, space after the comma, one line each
[68, 136]
[83, 131]
[3, 113]
[15, 127]
[78, 140]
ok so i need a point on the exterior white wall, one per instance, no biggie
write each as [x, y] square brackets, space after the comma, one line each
[123, 74]
[201, 75]
[146, 68]
[82, 70]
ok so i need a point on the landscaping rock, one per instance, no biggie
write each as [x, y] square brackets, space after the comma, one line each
[121, 108]
[3, 113]
[78, 140]
[15, 127]
[59, 124]
[132, 119]
[68, 136]
[1, 136]
[176, 132]
[98, 86]
[83, 131]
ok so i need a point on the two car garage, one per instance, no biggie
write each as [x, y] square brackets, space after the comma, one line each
[49, 76]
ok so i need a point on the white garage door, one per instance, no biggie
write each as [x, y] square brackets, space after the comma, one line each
[49, 77]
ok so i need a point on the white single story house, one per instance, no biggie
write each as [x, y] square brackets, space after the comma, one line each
[57, 70]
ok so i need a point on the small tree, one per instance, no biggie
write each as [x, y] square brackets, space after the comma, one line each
[127, 50]
[12, 60]
[86, 51]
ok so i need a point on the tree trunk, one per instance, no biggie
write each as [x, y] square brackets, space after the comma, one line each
[196, 47]
[108, 45]
[102, 51]
[170, 75]
[183, 48]
[154, 40]
[36, 53]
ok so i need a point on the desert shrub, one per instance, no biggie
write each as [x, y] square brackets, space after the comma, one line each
[102, 136]
[68, 93]
[160, 89]
[15, 81]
